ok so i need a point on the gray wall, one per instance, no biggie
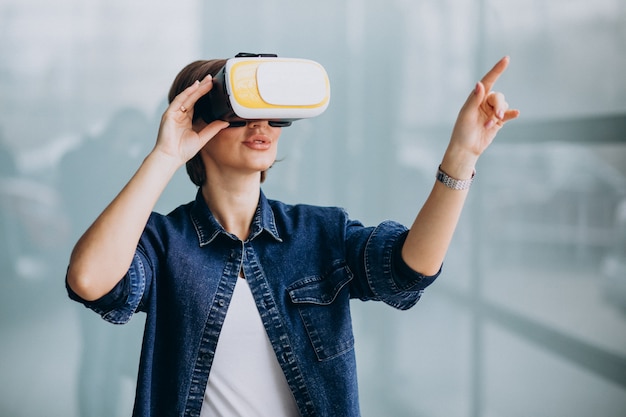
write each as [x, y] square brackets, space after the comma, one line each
[529, 317]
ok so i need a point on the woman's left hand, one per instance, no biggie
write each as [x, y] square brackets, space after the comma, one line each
[482, 116]
[479, 120]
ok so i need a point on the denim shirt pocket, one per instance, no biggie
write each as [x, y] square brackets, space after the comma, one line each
[324, 306]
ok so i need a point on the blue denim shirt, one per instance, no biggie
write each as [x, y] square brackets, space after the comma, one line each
[303, 264]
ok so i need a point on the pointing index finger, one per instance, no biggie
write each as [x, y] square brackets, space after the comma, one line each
[492, 76]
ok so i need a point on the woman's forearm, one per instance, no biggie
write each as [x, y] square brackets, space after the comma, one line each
[432, 231]
[477, 124]
[103, 254]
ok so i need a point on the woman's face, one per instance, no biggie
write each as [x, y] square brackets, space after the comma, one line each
[242, 150]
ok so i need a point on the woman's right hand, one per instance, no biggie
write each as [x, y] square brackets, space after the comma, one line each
[178, 138]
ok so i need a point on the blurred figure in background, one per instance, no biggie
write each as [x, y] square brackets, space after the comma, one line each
[91, 175]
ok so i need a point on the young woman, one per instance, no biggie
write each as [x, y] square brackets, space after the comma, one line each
[247, 299]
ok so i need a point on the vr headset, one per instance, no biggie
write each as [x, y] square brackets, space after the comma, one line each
[266, 87]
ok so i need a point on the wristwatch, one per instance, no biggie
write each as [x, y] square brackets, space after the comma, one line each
[453, 183]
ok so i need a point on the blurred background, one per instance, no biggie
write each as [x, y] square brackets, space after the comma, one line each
[529, 317]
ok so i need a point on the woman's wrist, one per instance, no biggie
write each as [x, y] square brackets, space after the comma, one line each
[454, 183]
[459, 164]
[164, 160]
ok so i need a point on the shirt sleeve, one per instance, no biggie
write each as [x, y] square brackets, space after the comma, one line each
[119, 304]
[381, 272]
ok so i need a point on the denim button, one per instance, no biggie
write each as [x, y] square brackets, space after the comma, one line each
[221, 303]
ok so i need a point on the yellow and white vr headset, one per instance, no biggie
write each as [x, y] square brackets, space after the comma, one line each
[266, 87]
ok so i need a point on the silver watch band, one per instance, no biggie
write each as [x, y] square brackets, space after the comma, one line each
[453, 183]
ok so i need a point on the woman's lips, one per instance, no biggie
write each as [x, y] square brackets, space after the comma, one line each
[258, 143]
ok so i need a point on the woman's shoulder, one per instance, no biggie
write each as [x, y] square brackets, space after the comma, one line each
[310, 217]
[177, 218]
[279, 207]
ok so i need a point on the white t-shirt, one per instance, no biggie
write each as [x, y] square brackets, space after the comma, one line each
[245, 378]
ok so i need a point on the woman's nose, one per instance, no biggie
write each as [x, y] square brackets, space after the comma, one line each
[257, 123]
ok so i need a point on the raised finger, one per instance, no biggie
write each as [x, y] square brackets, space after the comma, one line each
[188, 97]
[494, 73]
[510, 115]
[212, 129]
[498, 104]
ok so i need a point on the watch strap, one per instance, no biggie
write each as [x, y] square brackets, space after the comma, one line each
[454, 183]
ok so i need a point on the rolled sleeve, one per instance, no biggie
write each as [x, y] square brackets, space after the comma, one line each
[119, 304]
[390, 279]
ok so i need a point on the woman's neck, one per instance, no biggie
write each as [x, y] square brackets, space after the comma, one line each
[233, 203]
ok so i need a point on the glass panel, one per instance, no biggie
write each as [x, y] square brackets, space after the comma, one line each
[554, 248]
[524, 379]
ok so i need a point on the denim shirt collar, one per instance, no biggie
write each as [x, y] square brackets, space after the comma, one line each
[208, 228]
